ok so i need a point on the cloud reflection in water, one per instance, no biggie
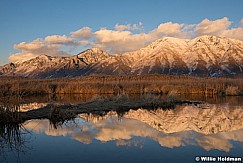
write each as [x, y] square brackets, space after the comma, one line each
[210, 128]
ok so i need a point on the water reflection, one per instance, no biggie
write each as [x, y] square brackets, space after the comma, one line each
[216, 127]
[35, 102]
[212, 127]
[13, 139]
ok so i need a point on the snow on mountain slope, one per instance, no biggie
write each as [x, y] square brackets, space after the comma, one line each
[47, 66]
[201, 56]
[215, 54]
[211, 120]
[93, 55]
[160, 56]
[205, 55]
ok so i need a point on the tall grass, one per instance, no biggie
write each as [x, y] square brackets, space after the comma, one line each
[162, 84]
[9, 114]
[232, 90]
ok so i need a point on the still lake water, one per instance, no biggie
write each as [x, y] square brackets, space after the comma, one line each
[178, 135]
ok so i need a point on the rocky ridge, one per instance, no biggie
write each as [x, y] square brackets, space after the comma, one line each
[201, 56]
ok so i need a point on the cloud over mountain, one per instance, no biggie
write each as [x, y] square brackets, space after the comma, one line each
[216, 27]
[123, 38]
[37, 47]
[129, 27]
[84, 32]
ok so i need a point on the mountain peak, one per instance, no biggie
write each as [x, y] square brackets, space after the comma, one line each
[210, 38]
[166, 42]
[93, 50]
[93, 55]
[43, 56]
[202, 56]
[96, 50]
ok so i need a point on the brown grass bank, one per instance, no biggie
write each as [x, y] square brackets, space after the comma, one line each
[163, 84]
[98, 104]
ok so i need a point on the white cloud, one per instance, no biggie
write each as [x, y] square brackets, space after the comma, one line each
[34, 45]
[236, 33]
[57, 39]
[123, 38]
[129, 27]
[20, 57]
[119, 41]
[241, 23]
[216, 27]
[36, 48]
[83, 42]
[221, 28]
[123, 27]
[106, 36]
[84, 32]
[168, 29]
[112, 129]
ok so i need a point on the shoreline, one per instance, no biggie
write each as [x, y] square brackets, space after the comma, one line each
[120, 104]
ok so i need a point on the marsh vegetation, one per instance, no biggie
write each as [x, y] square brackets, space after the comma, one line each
[63, 99]
[58, 110]
[161, 84]
[107, 93]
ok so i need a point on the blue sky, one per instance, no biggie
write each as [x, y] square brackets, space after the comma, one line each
[28, 20]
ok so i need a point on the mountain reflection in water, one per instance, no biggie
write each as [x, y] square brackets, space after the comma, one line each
[206, 126]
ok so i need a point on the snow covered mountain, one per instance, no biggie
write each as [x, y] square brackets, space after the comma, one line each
[206, 120]
[201, 56]
[45, 66]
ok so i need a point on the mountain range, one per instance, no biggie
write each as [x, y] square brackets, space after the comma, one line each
[202, 56]
[206, 119]
[212, 128]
